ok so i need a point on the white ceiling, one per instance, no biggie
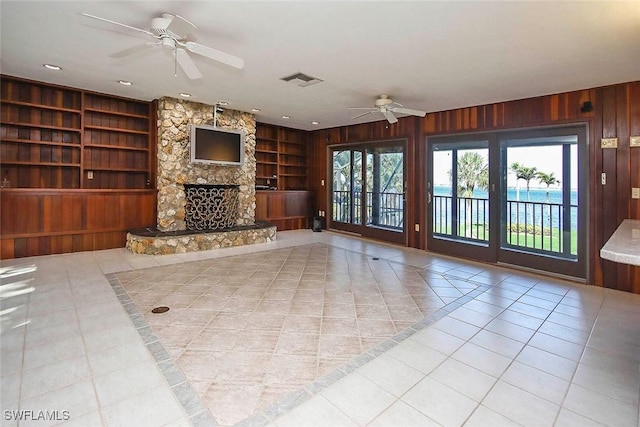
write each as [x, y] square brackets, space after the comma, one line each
[430, 56]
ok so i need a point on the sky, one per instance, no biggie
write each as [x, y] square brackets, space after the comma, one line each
[546, 159]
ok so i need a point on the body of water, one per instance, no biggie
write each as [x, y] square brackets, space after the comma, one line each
[545, 212]
[537, 195]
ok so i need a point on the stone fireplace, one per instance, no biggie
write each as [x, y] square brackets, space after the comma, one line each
[175, 168]
[175, 233]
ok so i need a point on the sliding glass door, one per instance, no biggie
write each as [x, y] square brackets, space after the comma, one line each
[542, 200]
[458, 191]
[512, 197]
[368, 190]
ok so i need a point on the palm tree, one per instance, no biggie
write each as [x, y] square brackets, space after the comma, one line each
[526, 173]
[473, 172]
[548, 179]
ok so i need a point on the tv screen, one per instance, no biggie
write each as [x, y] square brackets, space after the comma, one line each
[215, 145]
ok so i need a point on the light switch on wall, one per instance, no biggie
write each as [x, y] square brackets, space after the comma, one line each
[635, 193]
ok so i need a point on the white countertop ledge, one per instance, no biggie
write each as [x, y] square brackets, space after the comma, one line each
[624, 244]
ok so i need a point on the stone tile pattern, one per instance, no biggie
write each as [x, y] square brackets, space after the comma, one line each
[250, 329]
[175, 168]
[527, 350]
[164, 245]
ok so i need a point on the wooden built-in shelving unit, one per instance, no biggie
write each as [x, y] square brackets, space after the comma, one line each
[281, 158]
[77, 168]
[41, 129]
[65, 138]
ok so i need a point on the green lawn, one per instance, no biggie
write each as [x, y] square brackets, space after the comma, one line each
[550, 242]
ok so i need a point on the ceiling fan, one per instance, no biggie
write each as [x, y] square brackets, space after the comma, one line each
[387, 106]
[172, 31]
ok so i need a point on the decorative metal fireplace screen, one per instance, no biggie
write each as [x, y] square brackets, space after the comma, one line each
[211, 207]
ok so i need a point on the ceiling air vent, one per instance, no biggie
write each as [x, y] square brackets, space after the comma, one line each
[301, 79]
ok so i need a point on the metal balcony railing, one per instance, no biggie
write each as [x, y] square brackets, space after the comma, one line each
[543, 227]
[382, 209]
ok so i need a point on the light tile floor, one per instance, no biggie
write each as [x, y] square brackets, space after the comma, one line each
[506, 348]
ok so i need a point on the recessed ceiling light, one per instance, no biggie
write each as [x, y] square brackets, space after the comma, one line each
[125, 82]
[52, 67]
[255, 110]
[185, 95]
[315, 123]
[223, 103]
[284, 116]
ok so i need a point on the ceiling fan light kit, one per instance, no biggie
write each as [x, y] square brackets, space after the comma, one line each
[173, 31]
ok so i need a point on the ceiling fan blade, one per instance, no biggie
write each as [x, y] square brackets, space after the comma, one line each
[133, 50]
[117, 23]
[181, 27]
[187, 64]
[389, 116]
[362, 115]
[363, 108]
[410, 112]
[216, 55]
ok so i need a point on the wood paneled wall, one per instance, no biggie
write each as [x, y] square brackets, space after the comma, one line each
[42, 222]
[288, 210]
[616, 113]
[407, 128]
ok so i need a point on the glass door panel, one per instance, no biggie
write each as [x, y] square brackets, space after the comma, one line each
[385, 187]
[459, 196]
[541, 217]
[347, 187]
[368, 189]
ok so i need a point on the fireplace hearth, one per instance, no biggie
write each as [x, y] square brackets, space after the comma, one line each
[211, 206]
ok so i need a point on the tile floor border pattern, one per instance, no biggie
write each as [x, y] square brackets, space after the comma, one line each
[191, 402]
[197, 412]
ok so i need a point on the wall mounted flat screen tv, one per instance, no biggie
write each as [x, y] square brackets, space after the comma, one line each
[216, 146]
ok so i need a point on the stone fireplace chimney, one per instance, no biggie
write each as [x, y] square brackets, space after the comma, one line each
[175, 171]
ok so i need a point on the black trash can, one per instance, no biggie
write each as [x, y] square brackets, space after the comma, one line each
[316, 224]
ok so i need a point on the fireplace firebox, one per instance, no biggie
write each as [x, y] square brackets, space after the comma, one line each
[211, 206]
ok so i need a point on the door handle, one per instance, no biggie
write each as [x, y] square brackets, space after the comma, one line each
[428, 197]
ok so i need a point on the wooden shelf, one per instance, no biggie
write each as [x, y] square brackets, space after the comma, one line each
[36, 142]
[26, 163]
[35, 125]
[108, 129]
[116, 147]
[108, 169]
[116, 113]
[40, 106]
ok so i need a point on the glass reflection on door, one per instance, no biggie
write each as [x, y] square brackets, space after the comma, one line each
[461, 211]
[347, 187]
[385, 187]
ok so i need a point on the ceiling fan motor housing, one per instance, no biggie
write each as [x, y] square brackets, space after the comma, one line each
[159, 25]
[383, 101]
